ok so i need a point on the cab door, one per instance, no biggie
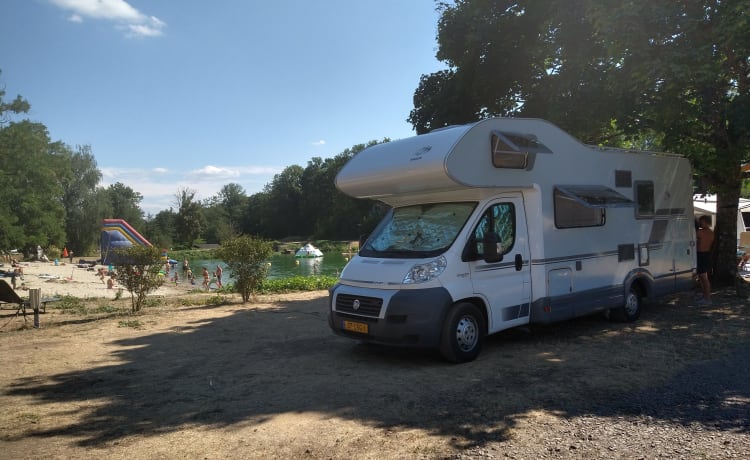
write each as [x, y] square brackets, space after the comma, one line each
[502, 275]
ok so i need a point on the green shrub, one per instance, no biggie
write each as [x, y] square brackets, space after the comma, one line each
[245, 257]
[138, 270]
[216, 300]
[71, 304]
[104, 309]
[297, 283]
[133, 323]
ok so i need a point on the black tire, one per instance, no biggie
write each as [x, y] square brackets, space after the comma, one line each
[463, 333]
[631, 311]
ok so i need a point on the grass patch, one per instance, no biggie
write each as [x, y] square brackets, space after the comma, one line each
[131, 323]
[104, 309]
[152, 302]
[297, 283]
[73, 305]
[216, 300]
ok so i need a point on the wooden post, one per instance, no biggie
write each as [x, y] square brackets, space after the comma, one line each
[35, 298]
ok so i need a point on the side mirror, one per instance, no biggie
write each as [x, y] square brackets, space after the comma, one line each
[490, 251]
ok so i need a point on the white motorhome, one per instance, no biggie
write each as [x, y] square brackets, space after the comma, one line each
[507, 222]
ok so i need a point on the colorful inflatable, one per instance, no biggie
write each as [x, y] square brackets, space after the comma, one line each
[117, 234]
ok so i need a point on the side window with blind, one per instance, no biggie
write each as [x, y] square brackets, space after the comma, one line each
[570, 213]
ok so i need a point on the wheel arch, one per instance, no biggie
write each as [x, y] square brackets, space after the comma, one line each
[641, 281]
[481, 305]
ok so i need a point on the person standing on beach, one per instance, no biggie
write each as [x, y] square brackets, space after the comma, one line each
[218, 273]
[206, 278]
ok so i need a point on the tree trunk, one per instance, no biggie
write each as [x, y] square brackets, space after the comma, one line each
[725, 228]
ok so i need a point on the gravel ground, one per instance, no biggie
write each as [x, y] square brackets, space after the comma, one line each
[270, 380]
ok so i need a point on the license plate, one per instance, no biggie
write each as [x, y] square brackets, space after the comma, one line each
[354, 326]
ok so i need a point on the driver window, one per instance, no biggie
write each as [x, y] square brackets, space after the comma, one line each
[500, 219]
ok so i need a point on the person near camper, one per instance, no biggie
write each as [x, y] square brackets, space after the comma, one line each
[206, 278]
[219, 271]
[705, 242]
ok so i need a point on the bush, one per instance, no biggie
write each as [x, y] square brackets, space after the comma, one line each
[245, 257]
[297, 283]
[138, 270]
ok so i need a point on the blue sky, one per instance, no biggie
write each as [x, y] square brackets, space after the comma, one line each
[198, 94]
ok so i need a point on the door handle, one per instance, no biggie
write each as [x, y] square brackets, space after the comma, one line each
[519, 262]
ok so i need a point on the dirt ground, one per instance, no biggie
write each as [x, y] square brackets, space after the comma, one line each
[269, 380]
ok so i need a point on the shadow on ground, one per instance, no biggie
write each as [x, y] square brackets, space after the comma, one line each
[680, 364]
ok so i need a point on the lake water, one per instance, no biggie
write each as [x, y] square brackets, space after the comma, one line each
[282, 266]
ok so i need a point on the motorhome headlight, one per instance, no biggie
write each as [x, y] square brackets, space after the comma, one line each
[421, 273]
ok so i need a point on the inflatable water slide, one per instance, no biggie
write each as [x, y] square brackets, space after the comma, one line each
[117, 234]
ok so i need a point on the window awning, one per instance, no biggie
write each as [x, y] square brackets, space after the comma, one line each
[596, 196]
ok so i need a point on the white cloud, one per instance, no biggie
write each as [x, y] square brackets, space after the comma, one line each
[136, 23]
[159, 186]
[319, 143]
[214, 172]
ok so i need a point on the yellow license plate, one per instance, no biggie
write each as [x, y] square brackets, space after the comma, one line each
[354, 326]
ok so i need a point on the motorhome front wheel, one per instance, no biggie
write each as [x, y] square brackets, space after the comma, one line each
[463, 333]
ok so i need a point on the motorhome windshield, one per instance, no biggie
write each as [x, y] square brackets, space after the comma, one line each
[423, 230]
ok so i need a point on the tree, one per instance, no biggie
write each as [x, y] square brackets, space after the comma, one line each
[246, 257]
[233, 199]
[138, 270]
[124, 203]
[604, 70]
[189, 222]
[7, 109]
[159, 229]
[31, 190]
[282, 214]
[84, 206]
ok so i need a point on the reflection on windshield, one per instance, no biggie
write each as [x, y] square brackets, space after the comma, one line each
[418, 231]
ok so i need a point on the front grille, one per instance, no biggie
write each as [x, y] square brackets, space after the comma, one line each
[368, 306]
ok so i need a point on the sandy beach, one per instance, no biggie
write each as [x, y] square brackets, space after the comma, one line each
[68, 279]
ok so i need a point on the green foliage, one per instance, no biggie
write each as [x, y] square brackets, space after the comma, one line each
[189, 222]
[245, 257]
[645, 72]
[131, 323]
[32, 213]
[138, 270]
[106, 308]
[216, 300]
[297, 283]
[83, 203]
[745, 193]
[71, 304]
